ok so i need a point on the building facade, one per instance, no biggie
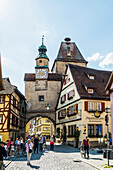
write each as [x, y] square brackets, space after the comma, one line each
[81, 105]
[12, 119]
[44, 127]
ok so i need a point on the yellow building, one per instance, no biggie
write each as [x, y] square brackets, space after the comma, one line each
[44, 127]
[12, 109]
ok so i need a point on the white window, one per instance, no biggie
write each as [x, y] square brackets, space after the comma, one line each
[91, 91]
[45, 128]
[71, 93]
[68, 51]
[93, 106]
[91, 77]
[0, 118]
[1, 99]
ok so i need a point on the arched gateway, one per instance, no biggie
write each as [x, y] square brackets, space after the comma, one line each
[42, 88]
[30, 116]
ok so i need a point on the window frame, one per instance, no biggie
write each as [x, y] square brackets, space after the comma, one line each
[39, 98]
[1, 118]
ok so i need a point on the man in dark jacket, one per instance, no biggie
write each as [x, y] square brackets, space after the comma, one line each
[2, 154]
[36, 140]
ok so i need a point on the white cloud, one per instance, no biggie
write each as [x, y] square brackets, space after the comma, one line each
[107, 60]
[95, 57]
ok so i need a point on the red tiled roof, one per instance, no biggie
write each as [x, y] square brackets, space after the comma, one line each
[81, 80]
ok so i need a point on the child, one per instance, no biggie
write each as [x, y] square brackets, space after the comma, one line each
[12, 149]
[52, 144]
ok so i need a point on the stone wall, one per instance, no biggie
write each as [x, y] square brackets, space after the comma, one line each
[50, 97]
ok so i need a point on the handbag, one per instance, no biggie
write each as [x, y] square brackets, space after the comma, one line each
[30, 150]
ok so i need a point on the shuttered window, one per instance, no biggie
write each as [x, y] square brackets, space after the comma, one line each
[94, 106]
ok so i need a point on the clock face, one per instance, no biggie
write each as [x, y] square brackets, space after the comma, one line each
[41, 73]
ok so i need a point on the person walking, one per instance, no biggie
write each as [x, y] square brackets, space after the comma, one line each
[41, 143]
[24, 148]
[12, 149]
[44, 142]
[9, 146]
[2, 154]
[29, 147]
[36, 140]
[17, 146]
[86, 146]
[21, 143]
[52, 143]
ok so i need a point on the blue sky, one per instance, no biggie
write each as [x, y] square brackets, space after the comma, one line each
[89, 23]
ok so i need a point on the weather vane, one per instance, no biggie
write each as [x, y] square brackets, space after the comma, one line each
[42, 39]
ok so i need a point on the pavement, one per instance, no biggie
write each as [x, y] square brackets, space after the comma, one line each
[62, 158]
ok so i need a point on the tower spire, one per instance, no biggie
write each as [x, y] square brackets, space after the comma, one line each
[42, 39]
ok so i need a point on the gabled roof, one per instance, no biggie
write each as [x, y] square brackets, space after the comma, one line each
[81, 80]
[75, 54]
[109, 82]
[51, 76]
[9, 88]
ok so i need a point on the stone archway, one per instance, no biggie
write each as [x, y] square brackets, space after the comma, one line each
[51, 117]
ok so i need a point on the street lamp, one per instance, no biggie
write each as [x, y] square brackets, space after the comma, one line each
[47, 106]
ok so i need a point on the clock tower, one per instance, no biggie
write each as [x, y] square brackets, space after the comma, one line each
[41, 69]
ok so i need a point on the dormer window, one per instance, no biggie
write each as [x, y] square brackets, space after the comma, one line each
[91, 91]
[91, 77]
[68, 51]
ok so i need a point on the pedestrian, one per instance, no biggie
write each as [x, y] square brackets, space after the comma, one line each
[110, 140]
[52, 143]
[26, 140]
[21, 143]
[17, 146]
[9, 146]
[54, 137]
[24, 148]
[86, 146]
[29, 137]
[40, 143]
[6, 149]
[12, 149]
[36, 140]
[2, 154]
[29, 147]
[44, 141]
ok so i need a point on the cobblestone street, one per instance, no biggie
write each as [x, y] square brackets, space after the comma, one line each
[63, 158]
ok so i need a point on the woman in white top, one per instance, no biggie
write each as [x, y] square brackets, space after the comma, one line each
[29, 147]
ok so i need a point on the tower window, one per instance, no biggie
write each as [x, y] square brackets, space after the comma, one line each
[68, 51]
[41, 98]
[40, 61]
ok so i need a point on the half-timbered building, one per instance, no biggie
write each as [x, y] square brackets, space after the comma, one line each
[12, 103]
